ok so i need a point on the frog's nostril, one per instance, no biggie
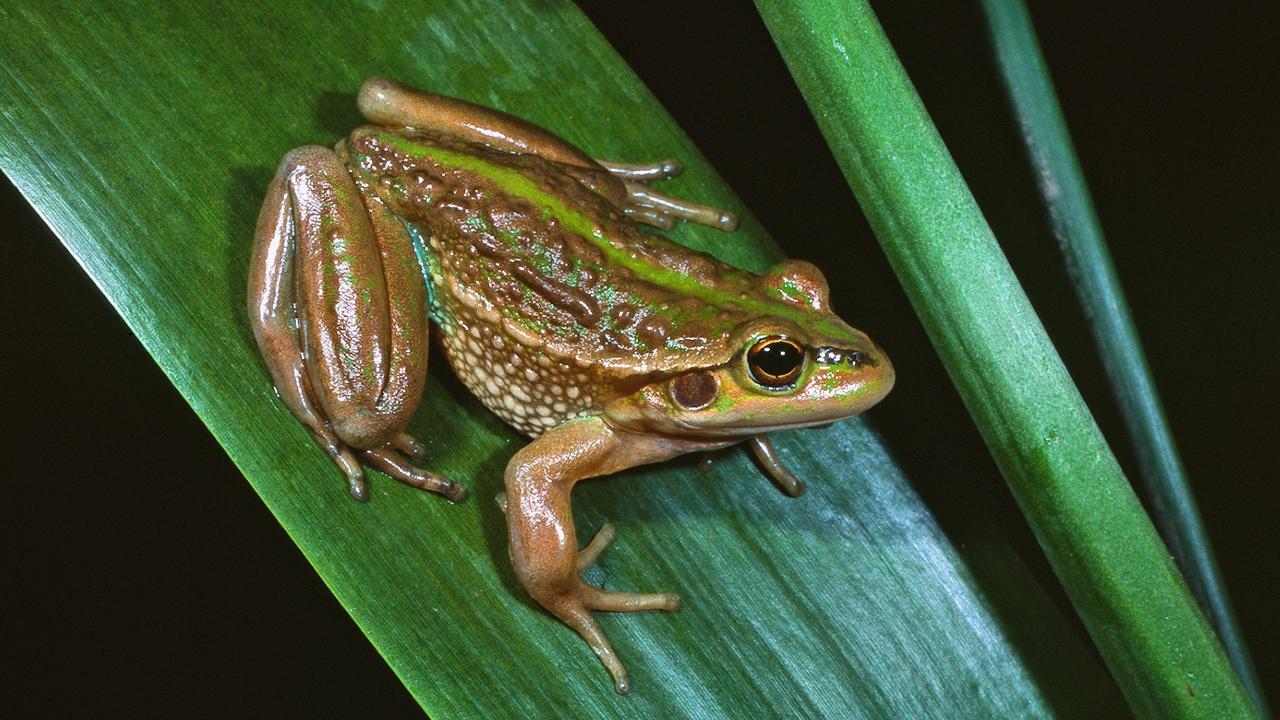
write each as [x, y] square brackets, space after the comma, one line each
[856, 358]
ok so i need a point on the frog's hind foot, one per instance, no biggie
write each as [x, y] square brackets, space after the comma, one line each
[396, 459]
[646, 205]
[389, 460]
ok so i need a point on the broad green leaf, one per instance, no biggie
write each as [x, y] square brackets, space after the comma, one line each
[145, 134]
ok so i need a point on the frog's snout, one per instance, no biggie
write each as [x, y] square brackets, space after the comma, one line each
[884, 374]
[866, 373]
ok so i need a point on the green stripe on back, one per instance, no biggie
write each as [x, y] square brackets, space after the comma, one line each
[517, 184]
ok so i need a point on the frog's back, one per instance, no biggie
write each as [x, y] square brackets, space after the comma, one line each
[549, 300]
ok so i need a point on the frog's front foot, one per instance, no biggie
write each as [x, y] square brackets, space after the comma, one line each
[646, 205]
[544, 546]
[575, 605]
[391, 462]
[598, 599]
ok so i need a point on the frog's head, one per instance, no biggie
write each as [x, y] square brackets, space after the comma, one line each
[797, 367]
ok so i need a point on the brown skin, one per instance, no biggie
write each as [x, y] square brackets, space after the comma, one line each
[611, 346]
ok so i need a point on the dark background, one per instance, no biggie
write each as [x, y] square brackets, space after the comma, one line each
[1172, 111]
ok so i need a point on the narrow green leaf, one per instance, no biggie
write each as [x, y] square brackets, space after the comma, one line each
[1095, 533]
[146, 134]
[1079, 233]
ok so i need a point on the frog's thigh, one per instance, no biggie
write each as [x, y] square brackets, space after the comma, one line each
[544, 545]
[361, 302]
[272, 316]
[386, 102]
[342, 269]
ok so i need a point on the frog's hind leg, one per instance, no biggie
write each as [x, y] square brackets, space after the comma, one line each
[338, 306]
[646, 205]
[388, 103]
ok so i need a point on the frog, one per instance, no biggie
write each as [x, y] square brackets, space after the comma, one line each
[558, 303]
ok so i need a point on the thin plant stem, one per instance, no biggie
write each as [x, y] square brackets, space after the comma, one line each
[1079, 233]
[1096, 535]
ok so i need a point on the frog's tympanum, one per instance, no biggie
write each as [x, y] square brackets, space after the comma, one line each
[607, 344]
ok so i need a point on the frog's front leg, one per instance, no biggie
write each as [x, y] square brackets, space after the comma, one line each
[544, 546]
[338, 306]
[771, 462]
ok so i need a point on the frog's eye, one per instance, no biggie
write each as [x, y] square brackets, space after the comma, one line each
[775, 361]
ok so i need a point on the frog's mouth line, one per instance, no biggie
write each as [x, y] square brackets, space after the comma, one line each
[746, 431]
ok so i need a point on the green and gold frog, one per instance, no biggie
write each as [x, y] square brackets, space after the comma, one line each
[606, 343]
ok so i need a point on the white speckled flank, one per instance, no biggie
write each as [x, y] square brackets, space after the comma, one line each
[520, 384]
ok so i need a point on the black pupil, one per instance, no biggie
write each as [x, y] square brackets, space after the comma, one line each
[777, 359]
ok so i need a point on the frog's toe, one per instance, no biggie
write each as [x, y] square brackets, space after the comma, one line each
[359, 488]
[571, 610]
[574, 608]
[588, 555]
[650, 216]
[771, 462]
[390, 462]
[643, 172]
[597, 599]
[411, 446]
[643, 203]
[350, 467]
